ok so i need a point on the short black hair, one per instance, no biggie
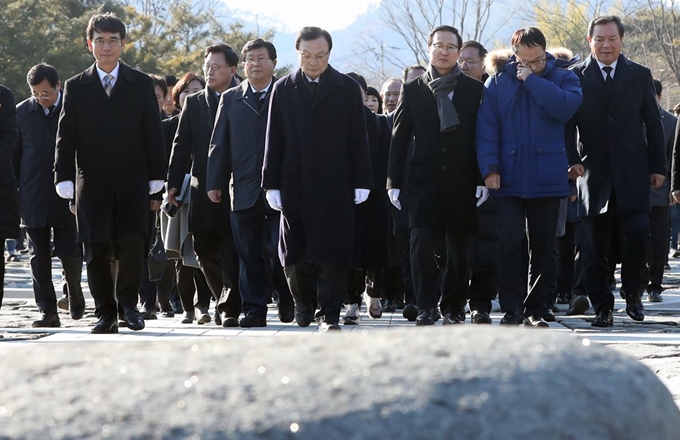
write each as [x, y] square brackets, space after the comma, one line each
[604, 19]
[308, 33]
[359, 79]
[257, 44]
[159, 81]
[529, 37]
[477, 45]
[229, 55]
[108, 22]
[445, 28]
[170, 80]
[41, 72]
[658, 87]
[372, 91]
[409, 69]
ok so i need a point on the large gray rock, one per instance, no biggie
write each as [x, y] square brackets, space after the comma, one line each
[457, 383]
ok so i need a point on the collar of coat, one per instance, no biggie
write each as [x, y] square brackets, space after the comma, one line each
[331, 76]
[91, 75]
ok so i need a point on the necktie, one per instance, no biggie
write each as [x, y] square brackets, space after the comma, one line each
[313, 86]
[609, 82]
[50, 109]
[108, 84]
[258, 99]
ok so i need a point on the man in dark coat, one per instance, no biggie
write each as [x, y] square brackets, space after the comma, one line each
[620, 152]
[440, 108]
[43, 212]
[110, 142]
[208, 221]
[9, 203]
[317, 166]
[237, 150]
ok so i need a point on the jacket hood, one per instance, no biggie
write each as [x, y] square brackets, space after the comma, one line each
[495, 60]
[564, 57]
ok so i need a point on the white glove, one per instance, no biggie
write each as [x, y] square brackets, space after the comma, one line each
[361, 195]
[65, 189]
[393, 194]
[273, 197]
[155, 186]
[482, 194]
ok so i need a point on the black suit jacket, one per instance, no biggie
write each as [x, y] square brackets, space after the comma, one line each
[619, 144]
[9, 204]
[111, 146]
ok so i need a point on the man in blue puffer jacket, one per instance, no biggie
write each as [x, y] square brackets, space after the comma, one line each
[522, 157]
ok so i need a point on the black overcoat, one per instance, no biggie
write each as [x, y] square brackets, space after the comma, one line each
[316, 153]
[111, 147]
[619, 145]
[190, 146]
[443, 173]
[39, 204]
[9, 203]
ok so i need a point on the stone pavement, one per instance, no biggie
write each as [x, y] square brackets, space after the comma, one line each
[655, 342]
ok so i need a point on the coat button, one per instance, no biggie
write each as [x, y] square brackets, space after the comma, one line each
[443, 149]
[443, 167]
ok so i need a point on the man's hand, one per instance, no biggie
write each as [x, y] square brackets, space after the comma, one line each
[523, 72]
[273, 197]
[215, 195]
[65, 189]
[493, 181]
[482, 194]
[361, 195]
[576, 171]
[393, 194]
[675, 195]
[657, 180]
[172, 194]
[154, 205]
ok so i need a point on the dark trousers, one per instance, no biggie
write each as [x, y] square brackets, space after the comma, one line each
[360, 280]
[578, 286]
[535, 219]
[192, 287]
[317, 284]
[219, 263]
[256, 237]
[566, 259]
[2, 276]
[106, 284]
[454, 252]
[595, 242]
[403, 241]
[659, 227]
[67, 250]
[483, 273]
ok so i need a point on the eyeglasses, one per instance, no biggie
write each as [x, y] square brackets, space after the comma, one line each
[531, 63]
[111, 42]
[318, 57]
[449, 49]
[213, 68]
[43, 95]
[260, 60]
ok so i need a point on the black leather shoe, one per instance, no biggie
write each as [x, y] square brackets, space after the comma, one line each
[478, 317]
[76, 305]
[106, 324]
[228, 321]
[325, 327]
[535, 322]
[133, 318]
[454, 317]
[511, 318]
[303, 319]
[253, 321]
[218, 318]
[47, 320]
[122, 323]
[389, 306]
[410, 312]
[654, 297]
[168, 313]
[203, 317]
[604, 318]
[578, 306]
[548, 315]
[286, 314]
[635, 309]
[189, 317]
[425, 317]
[148, 314]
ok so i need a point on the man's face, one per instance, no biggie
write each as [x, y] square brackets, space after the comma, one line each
[107, 48]
[45, 94]
[160, 97]
[313, 55]
[443, 52]
[218, 74]
[532, 57]
[471, 63]
[390, 95]
[606, 43]
[258, 66]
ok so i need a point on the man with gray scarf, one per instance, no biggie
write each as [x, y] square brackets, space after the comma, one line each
[444, 183]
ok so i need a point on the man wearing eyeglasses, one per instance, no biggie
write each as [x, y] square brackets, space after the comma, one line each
[440, 109]
[471, 60]
[208, 221]
[110, 142]
[317, 166]
[43, 212]
[522, 157]
[237, 152]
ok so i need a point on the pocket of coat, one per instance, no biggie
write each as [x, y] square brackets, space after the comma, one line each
[508, 158]
[551, 160]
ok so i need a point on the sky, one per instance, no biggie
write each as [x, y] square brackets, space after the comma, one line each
[291, 16]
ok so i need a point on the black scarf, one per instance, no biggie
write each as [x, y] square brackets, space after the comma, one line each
[441, 86]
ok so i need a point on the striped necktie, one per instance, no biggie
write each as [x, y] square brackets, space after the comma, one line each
[108, 84]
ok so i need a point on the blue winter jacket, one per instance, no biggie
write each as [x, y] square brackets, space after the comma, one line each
[520, 130]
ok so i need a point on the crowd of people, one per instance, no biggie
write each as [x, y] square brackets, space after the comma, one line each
[517, 173]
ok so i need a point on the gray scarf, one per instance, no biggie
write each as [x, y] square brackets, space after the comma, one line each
[441, 86]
